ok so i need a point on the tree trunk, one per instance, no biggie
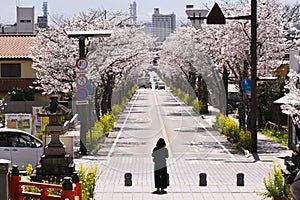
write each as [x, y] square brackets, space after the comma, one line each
[107, 95]
[97, 102]
[203, 93]
[242, 110]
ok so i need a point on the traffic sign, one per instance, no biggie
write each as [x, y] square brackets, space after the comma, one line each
[89, 87]
[81, 63]
[81, 80]
[82, 93]
[246, 85]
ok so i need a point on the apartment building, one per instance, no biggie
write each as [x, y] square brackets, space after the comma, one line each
[162, 25]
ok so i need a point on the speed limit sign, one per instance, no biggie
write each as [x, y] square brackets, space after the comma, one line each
[81, 63]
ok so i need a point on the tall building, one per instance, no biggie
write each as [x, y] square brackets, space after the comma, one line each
[24, 24]
[43, 20]
[133, 13]
[25, 19]
[162, 24]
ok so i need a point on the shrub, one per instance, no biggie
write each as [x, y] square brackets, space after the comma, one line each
[245, 139]
[34, 189]
[186, 98]
[97, 135]
[107, 122]
[231, 128]
[22, 95]
[199, 106]
[220, 122]
[88, 177]
[124, 102]
[116, 109]
[275, 185]
[132, 91]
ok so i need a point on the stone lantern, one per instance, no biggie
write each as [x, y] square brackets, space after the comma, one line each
[55, 162]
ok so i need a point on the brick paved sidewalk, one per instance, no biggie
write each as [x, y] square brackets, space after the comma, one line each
[184, 173]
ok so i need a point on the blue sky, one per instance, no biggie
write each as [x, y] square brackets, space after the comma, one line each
[69, 8]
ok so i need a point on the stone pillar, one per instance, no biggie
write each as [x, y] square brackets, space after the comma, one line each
[55, 162]
[4, 169]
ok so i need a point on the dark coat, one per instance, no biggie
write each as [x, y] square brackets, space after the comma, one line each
[159, 155]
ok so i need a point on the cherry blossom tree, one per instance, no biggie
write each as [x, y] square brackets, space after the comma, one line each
[125, 51]
[54, 54]
[184, 56]
[291, 105]
[229, 45]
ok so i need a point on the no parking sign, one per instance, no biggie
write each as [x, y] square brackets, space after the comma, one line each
[82, 94]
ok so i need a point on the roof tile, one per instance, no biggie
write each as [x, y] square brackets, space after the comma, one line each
[15, 46]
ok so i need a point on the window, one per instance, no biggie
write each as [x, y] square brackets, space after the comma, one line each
[3, 140]
[11, 70]
[25, 21]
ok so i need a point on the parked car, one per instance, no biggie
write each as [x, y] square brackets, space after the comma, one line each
[20, 147]
[161, 86]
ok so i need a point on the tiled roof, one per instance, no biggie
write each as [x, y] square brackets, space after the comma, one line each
[15, 46]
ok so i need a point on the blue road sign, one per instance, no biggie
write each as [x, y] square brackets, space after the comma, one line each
[89, 87]
[82, 93]
[246, 85]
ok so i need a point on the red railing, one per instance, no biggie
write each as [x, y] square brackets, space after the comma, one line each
[67, 192]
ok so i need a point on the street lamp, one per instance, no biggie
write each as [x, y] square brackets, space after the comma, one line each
[215, 16]
[81, 102]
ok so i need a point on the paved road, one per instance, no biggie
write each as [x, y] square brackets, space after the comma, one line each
[194, 148]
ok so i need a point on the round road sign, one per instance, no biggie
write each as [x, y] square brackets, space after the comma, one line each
[82, 93]
[246, 85]
[81, 63]
[81, 80]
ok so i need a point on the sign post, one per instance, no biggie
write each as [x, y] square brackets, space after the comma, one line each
[83, 88]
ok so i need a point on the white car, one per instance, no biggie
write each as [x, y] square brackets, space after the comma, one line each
[161, 86]
[20, 147]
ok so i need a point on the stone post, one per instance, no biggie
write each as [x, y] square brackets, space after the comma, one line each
[4, 169]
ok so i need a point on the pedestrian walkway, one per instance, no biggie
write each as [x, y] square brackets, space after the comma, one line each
[184, 171]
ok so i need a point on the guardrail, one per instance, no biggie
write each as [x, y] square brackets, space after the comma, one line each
[67, 190]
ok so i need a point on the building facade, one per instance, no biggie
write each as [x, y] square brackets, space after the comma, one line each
[24, 24]
[162, 25]
[133, 12]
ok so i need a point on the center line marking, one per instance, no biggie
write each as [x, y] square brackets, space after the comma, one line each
[163, 128]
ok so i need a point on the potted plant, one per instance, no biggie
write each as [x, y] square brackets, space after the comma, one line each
[275, 186]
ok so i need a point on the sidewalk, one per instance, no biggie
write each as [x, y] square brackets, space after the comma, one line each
[184, 173]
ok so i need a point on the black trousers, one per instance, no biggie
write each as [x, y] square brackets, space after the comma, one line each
[161, 178]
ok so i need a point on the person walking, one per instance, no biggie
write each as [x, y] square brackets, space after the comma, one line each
[161, 178]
